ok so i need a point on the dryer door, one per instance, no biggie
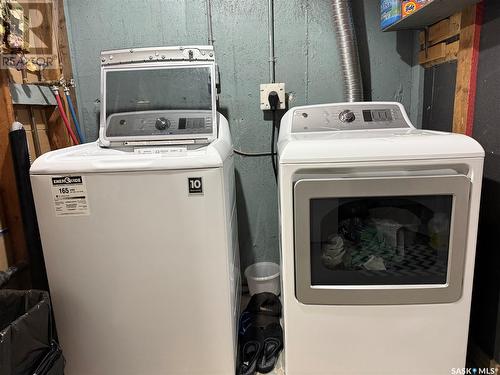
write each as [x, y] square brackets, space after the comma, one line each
[391, 240]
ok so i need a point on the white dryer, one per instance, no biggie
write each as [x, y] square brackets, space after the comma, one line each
[140, 236]
[378, 234]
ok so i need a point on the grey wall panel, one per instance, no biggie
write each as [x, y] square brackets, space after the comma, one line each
[439, 97]
[485, 324]
[307, 60]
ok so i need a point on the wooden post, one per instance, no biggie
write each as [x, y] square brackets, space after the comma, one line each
[9, 201]
[468, 52]
[64, 59]
[17, 251]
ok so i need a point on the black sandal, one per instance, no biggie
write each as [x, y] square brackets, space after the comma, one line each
[251, 345]
[272, 345]
[265, 304]
[262, 310]
[259, 331]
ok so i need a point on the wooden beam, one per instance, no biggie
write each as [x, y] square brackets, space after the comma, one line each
[441, 31]
[8, 190]
[468, 51]
[62, 42]
[56, 131]
[23, 115]
[54, 33]
[4, 243]
[64, 53]
[433, 53]
[9, 201]
[439, 54]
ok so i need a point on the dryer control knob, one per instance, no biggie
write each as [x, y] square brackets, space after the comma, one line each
[162, 123]
[347, 116]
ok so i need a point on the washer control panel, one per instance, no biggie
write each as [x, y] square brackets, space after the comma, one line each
[349, 116]
[148, 123]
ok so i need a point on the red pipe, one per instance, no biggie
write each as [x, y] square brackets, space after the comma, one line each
[64, 117]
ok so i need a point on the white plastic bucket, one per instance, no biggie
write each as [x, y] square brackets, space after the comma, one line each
[263, 277]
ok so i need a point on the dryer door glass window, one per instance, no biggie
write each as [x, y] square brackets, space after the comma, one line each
[387, 240]
[380, 240]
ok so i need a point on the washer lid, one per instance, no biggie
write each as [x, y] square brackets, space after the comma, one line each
[155, 94]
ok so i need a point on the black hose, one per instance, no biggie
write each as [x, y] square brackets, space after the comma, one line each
[273, 154]
[274, 101]
[21, 161]
[252, 154]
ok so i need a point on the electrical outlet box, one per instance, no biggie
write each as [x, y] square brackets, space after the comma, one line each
[265, 89]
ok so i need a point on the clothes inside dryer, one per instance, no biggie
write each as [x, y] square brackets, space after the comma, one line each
[380, 241]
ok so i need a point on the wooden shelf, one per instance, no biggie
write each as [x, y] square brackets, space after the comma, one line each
[431, 13]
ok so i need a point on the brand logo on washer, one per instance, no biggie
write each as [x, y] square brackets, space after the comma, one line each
[67, 180]
[195, 185]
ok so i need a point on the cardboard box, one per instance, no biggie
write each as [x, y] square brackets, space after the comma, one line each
[411, 6]
[390, 12]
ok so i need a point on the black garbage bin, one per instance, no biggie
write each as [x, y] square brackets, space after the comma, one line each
[27, 346]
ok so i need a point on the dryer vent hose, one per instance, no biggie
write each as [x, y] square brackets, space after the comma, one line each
[348, 50]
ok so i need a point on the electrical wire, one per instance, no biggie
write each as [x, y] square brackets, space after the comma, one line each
[273, 103]
[273, 154]
[270, 33]
[209, 23]
[252, 154]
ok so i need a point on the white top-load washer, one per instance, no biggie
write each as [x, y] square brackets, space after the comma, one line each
[378, 234]
[139, 229]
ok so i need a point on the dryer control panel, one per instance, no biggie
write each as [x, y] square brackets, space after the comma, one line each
[349, 116]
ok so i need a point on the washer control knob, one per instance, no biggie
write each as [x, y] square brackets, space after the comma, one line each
[347, 116]
[162, 123]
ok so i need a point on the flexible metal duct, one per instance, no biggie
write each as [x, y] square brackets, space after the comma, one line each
[348, 50]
